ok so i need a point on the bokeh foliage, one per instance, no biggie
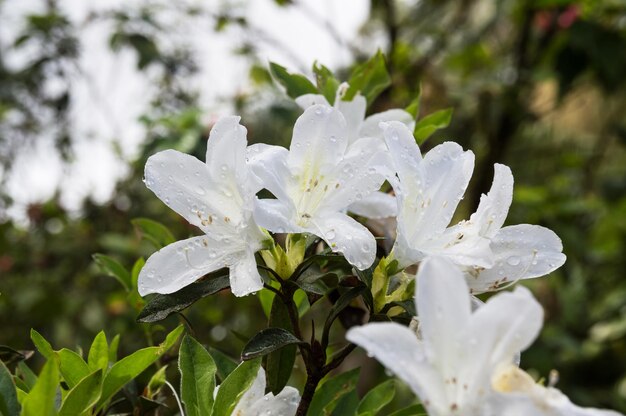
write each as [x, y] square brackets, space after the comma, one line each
[537, 85]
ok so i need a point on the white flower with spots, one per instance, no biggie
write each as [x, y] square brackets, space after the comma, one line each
[255, 402]
[451, 366]
[215, 196]
[317, 179]
[428, 191]
[376, 205]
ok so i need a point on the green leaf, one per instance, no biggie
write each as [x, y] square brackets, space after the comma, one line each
[327, 84]
[73, 367]
[279, 364]
[153, 231]
[431, 123]
[9, 405]
[134, 274]
[342, 303]
[345, 405]
[156, 382]
[98, 353]
[295, 84]
[41, 399]
[114, 269]
[113, 348]
[333, 389]
[197, 381]
[161, 306]
[130, 367]
[234, 386]
[369, 79]
[414, 410]
[377, 398]
[26, 374]
[268, 340]
[414, 108]
[225, 364]
[83, 396]
[41, 344]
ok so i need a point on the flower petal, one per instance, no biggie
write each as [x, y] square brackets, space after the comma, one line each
[494, 206]
[275, 215]
[371, 125]
[269, 165]
[443, 308]
[226, 152]
[521, 252]
[354, 113]
[182, 263]
[244, 275]
[284, 403]
[248, 401]
[307, 100]
[398, 349]
[376, 205]
[319, 140]
[345, 235]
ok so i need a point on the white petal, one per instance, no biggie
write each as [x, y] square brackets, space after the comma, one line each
[398, 349]
[354, 113]
[405, 155]
[346, 236]
[269, 165]
[371, 128]
[521, 252]
[307, 100]
[247, 403]
[462, 248]
[443, 307]
[182, 263]
[507, 324]
[494, 206]
[319, 140]
[274, 215]
[376, 205]
[244, 275]
[284, 403]
[226, 150]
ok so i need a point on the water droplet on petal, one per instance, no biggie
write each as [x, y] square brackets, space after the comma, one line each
[513, 261]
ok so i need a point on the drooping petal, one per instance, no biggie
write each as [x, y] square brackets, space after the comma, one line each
[347, 236]
[249, 399]
[398, 349]
[307, 100]
[443, 307]
[185, 185]
[275, 215]
[182, 263]
[521, 252]
[376, 205]
[244, 275]
[371, 125]
[319, 140]
[494, 207]
[284, 403]
[354, 113]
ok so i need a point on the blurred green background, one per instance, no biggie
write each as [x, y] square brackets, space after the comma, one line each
[535, 84]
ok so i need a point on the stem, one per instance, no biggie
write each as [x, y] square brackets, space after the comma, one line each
[312, 381]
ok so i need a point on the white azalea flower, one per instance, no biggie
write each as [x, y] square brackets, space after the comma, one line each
[450, 367]
[317, 179]
[429, 190]
[215, 196]
[519, 395]
[255, 402]
[376, 205]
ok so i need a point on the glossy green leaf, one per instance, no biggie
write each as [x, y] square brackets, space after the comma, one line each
[98, 353]
[41, 399]
[295, 84]
[83, 396]
[327, 84]
[425, 127]
[234, 386]
[225, 364]
[161, 306]
[344, 405]
[114, 269]
[9, 405]
[369, 79]
[377, 398]
[414, 410]
[41, 344]
[73, 367]
[279, 364]
[333, 389]
[130, 367]
[267, 341]
[197, 381]
[113, 348]
[153, 231]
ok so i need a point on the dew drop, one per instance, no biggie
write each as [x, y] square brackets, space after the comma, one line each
[513, 261]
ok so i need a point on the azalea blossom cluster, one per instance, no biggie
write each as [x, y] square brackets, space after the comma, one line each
[338, 169]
